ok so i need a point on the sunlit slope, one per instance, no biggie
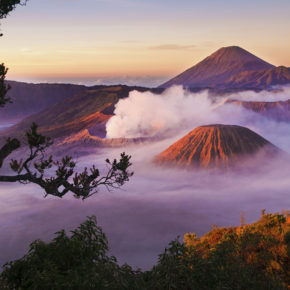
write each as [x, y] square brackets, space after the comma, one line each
[82, 111]
[214, 145]
[278, 111]
[231, 68]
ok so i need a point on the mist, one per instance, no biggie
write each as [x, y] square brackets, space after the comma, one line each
[176, 111]
[152, 209]
[157, 204]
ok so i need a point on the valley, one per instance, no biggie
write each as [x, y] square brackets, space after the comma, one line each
[183, 138]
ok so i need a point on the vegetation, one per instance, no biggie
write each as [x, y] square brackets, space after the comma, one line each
[8, 5]
[36, 168]
[3, 87]
[254, 256]
[79, 261]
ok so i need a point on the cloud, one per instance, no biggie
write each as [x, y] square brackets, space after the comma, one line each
[151, 210]
[177, 111]
[148, 114]
[279, 93]
[157, 204]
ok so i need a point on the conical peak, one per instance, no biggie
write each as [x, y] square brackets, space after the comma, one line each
[217, 69]
[231, 50]
[214, 145]
[233, 54]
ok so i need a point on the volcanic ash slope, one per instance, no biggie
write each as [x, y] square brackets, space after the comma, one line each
[216, 146]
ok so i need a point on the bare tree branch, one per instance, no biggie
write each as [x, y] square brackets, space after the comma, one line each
[36, 169]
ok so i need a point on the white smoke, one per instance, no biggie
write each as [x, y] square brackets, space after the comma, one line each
[147, 114]
[177, 110]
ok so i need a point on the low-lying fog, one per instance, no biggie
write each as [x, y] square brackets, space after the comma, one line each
[156, 205]
[5, 125]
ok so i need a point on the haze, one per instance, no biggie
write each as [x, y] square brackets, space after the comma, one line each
[157, 205]
[135, 42]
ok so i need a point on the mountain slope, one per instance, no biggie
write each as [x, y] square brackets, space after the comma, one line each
[278, 111]
[32, 98]
[88, 110]
[260, 79]
[214, 145]
[219, 69]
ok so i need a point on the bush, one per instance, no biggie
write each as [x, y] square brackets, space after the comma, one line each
[254, 256]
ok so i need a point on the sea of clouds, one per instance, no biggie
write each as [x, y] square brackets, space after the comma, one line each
[176, 111]
[157, 204]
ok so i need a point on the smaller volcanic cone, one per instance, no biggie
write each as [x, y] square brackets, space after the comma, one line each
[215, 146]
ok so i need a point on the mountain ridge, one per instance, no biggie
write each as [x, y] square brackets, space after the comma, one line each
[224, 69]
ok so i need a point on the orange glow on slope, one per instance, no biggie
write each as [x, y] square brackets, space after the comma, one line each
[213, 145]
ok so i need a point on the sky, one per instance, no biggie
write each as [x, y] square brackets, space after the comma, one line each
[136, 41]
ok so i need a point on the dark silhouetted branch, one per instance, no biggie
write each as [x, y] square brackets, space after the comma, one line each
[4, 88]
[8, 148]
[35, 169]
[6, 6]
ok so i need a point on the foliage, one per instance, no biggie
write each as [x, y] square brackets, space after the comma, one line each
[36, 168]
[4, 88]
[254, 256]
[6, 6]
[79, 261]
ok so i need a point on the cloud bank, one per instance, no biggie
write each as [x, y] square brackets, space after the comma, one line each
[154, 208]
[177, 111]
[157, 204]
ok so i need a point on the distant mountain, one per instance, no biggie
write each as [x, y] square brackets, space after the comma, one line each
[231, 67]
[260, 79]
[278, 111]
[214, 146]
[32, 98]
[89, 109]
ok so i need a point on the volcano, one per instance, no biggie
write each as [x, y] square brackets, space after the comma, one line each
[215, 146]
[231, 67]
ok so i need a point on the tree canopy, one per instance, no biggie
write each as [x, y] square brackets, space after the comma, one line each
[252, 256]
[6, 6]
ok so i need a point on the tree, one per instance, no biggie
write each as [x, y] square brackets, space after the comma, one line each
[8, 5]
[35, 169]
[36, 166]
[76, 261]
[4, 88]
[254, 256]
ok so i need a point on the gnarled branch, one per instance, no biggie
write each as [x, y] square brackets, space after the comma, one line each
[36, 169]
